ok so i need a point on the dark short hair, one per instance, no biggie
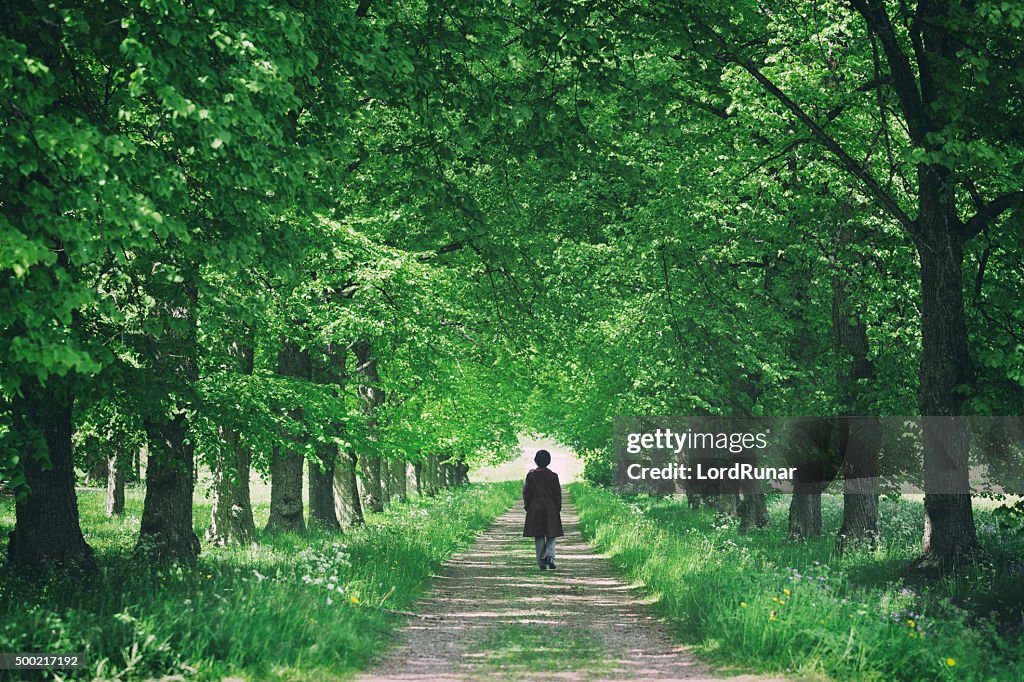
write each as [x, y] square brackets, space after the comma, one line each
[542, 458]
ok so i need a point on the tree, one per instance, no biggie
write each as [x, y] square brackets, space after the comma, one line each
[231, 521]
[286, 510]
[372, 396]
[59, 150]
[936, 56]
[322, 475]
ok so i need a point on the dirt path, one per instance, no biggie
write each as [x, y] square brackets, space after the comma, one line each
[493, 615]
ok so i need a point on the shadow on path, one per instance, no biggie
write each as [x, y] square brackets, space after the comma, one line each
[492, 614]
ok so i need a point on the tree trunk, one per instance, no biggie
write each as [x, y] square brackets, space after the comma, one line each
[371, 472]
[417, 470]
[231, 521]
[727, 504]
[387, 484]
[443, 474]
[805, 512]
[752, 507]
[115, 485]
[98, 473]
[440, 471]
[428, 476]
[334, 489]
[436, 474]
[46, 527]
[330, 371]
[372, 396]
[321, 490]
[949, 533]
[860, 442]
[813, 468]
[461, 473]
[399, 480]
[859, 439]
[286, 512]
[166, 532]
[346, 491]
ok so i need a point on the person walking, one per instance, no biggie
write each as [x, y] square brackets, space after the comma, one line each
[542, 500]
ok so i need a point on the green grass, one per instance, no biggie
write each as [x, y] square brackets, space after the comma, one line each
[293, 608]
[526, 649]
[765, 603]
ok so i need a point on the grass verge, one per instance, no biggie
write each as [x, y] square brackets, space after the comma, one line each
[765, 603]
[293, 608]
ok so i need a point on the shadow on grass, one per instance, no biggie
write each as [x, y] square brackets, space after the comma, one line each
[293, 607]
[762, 600]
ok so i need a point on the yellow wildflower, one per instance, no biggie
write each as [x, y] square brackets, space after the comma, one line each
[354, 599]
[950, 662]
[787, 592]
[743, 604]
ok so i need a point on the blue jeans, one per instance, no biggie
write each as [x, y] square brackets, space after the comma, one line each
[545, 550]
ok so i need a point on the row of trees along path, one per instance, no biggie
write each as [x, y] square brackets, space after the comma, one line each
[259, 234]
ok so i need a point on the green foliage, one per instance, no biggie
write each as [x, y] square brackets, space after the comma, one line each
[1010, 516]
[536, 215]
[761, 601]
[291, 609]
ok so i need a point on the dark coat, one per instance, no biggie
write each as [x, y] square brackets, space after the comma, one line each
[542, 499]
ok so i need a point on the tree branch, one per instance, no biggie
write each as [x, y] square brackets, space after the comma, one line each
[848, 162]
[447, 248]
[990, 212]
[904, 83]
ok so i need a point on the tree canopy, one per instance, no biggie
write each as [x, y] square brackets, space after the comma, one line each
[409, 231]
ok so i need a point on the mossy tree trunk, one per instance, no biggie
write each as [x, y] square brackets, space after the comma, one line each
[859, 439]
[46, 527]
[950, 537]
[347, 504]
[399, 480]
[231, 521]
[330, 371]
[372, 396]
[286, 508]
[814, 467]
[166, 532]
